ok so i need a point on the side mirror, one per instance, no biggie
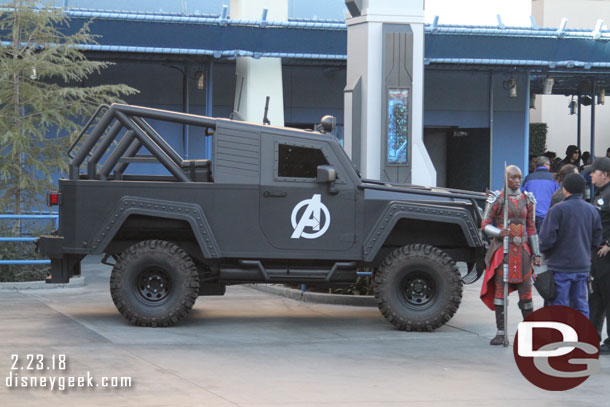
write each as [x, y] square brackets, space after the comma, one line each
[326, 173]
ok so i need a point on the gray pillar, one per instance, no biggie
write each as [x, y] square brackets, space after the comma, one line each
[383, 98]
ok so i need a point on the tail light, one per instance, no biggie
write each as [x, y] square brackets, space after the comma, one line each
[53, 199]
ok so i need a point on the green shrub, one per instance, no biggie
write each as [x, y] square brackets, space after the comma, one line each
[28, 273]
[538, 133]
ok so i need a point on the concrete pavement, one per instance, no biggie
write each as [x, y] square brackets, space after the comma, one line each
[251, 348]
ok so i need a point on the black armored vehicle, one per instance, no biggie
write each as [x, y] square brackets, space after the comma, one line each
[274, 205]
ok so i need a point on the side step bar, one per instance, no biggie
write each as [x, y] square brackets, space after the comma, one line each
[254, 271]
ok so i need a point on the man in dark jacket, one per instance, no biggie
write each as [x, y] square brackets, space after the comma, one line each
[541, 183]
[599, 300]
[569, 231]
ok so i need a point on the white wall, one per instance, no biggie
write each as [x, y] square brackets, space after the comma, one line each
[580, 13]
[553, 109]
[479, 12]
[258, 78]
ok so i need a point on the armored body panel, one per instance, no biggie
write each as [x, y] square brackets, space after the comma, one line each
[273, 205]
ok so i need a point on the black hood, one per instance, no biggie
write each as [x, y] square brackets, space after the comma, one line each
[571, 150]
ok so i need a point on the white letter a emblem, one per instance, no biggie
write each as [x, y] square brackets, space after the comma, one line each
[312, 218]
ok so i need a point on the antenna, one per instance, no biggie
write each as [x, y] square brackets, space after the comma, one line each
[235, 114]
[265, 118]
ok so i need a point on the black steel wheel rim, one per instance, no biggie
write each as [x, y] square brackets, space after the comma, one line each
[153, 286]
[417, 289]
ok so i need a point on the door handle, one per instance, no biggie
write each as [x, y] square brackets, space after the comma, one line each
[278, 194]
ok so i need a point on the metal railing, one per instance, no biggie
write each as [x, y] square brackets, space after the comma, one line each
[30, 216]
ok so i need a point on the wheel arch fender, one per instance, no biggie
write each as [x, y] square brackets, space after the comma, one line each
[397, 211]
[191, 213]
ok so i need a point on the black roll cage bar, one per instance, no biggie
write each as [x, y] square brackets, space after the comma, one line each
[138, 133]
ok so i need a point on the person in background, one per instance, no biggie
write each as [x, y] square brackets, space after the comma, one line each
[599, 300]
[586, 160]
[556, 164]
[571, 229]
[587, 176]
[564, 172]
[532, 164]
[608, 152]
[572, 157]
[541, 183]
[551, 155]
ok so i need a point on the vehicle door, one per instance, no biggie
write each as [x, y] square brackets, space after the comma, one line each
[299, 213]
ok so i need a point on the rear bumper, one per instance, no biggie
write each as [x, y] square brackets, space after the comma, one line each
[51, 246]
[63, 266]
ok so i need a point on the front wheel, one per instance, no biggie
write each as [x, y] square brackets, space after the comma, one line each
[154, 283]
[418, 288]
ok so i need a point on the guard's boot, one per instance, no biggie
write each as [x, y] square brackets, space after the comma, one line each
[527, 307]
[499, 338]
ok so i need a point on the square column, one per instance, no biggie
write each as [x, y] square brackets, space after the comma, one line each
[384, 92]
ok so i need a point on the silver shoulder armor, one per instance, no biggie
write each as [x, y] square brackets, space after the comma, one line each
[491, 199]
[530, 197]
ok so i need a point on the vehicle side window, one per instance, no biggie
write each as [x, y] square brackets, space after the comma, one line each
[299, 162]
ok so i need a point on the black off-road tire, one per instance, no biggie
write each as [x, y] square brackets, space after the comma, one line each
[418, 288]
[154, 283]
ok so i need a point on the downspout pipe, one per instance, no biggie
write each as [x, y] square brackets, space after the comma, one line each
[491, 126]
[593, 91]
[579, 125]
[185, 109]
[526, 130]
[209, 105]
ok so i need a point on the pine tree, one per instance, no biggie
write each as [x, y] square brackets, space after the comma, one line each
[42, 100]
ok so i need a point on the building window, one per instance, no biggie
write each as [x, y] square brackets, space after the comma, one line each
[398, 125]
[299, 162]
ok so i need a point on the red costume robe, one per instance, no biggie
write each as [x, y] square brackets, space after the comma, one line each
[521, 215]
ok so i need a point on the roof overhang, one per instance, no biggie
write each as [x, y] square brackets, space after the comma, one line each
[574, 58]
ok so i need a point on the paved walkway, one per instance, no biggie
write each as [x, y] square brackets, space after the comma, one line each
[251, 348]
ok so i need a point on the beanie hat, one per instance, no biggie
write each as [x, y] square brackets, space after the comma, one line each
[574, 184]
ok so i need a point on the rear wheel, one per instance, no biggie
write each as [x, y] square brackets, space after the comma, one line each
[154, 283]
[418, 288]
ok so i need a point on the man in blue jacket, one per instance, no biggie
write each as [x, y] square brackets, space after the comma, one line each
[569, 232]
[543, 185]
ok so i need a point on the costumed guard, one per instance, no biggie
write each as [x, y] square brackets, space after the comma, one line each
[521, 225]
